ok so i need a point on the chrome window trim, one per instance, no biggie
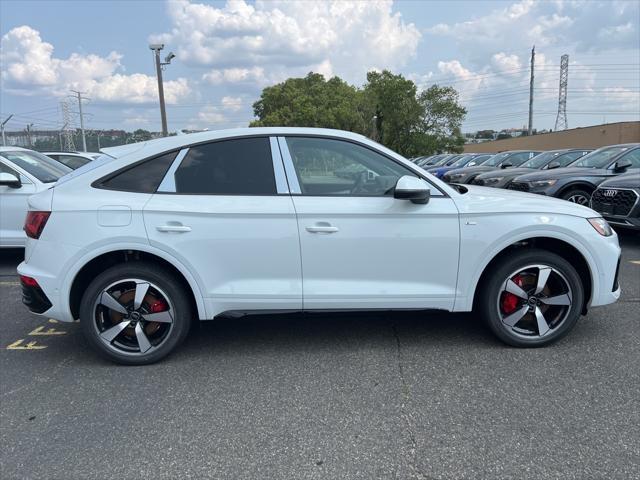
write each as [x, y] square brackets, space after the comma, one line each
[282, 186]
[290, 171]
[168, 183]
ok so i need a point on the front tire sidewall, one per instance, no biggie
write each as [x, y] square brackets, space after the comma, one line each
[154, 274]
[495, 280]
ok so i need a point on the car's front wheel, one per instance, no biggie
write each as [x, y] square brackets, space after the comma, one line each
[531, 298]
[579, 196]
[135, 313]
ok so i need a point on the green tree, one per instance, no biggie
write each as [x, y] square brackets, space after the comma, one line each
[388, 109]
[392, 106]
[311, 101]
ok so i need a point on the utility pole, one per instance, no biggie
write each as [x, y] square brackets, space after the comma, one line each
[561, 118]
[4, 140]
[80, 98]
[156, 47]
[533, 62]
[28, 130]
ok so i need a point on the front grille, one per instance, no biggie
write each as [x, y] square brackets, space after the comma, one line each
[521, 187]
[613, 201]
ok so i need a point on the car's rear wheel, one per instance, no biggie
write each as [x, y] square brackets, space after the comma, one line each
[579, 196]
[135, 313]
[531, 298]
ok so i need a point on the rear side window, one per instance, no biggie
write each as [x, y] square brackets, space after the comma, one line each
[241, 166]
[143, 177]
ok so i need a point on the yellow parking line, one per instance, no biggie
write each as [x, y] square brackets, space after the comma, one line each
[9, 284]
[50, 331]
[18, 345]
[637, 262]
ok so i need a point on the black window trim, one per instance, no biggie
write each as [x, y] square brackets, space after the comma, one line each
[97, 183]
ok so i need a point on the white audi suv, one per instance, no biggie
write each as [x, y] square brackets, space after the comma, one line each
[142, 241]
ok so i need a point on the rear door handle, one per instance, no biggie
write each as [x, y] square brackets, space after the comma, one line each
[322, 227]
[173, 228]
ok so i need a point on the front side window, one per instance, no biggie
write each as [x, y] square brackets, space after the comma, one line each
[40, 166]
[335, 167]
[567, 158]
[634, 157]
[241, 166]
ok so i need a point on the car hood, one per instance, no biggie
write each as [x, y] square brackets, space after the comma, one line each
[557, 173]
[628, 180]
[512, 172]
[480, 200]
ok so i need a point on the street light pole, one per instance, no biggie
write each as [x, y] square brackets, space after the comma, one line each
[4, 140]
[156, 47]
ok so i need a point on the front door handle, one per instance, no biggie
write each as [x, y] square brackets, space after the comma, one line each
[322, 227]
[173, 228]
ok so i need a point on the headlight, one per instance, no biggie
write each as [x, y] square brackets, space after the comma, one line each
[492, 180]
[601, 226]
[543, 183]
[456, 177]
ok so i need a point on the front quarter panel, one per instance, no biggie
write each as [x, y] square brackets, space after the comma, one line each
[483, 236]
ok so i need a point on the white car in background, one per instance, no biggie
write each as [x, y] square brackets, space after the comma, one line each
[73, 160]
[23, 172]
[256, 219]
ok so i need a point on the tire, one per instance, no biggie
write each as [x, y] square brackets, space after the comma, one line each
[149, 319]
[577, 195]
[560, 301]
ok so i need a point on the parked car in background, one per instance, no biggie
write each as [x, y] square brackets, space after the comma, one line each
[432, 160]
[72, 160]
[513, 158]
[618, 200]
[577, 182]
[227, 221]
[544, 161]
[23, 173]
[468, 160]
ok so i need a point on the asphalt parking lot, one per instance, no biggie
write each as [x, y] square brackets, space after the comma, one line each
[338, 397]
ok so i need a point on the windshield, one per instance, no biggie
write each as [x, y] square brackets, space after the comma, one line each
[452, 160]
[442, 161]
[496, 159]
[40, 166]
[541, 160]
[600, 158]
[462, 161]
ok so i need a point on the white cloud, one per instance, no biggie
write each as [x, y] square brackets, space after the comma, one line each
[210, 115]
[580, 24]
[232, 104]
[240, 41]
[506, 63]
[29, 68]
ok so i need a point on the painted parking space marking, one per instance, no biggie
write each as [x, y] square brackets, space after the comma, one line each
[20, 345]
[9, 284]
[636, 262]
[49, 331]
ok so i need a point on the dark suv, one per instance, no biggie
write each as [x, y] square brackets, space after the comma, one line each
[577, 182]
[618, 200]
[545, 161]
[513, 158]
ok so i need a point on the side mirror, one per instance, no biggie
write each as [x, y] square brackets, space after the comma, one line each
[506, 164]
[621, 165]
[412, 188]
[9, 180]
[553, 165]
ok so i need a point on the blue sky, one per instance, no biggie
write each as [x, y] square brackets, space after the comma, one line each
[228, 51]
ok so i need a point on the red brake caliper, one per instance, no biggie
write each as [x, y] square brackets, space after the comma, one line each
[158, 306]
[509, 301]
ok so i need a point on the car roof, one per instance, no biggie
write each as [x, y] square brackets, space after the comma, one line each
[13, 149]
[179, 141]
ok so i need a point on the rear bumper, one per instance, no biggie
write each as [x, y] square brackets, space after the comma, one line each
[34, 298]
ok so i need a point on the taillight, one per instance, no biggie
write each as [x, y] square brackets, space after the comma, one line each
[35, 222]
[28, 281]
